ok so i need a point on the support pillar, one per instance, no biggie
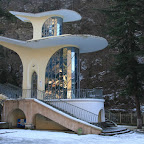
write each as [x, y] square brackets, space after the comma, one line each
[69, 75]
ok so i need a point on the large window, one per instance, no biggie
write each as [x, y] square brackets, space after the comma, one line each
[62, 74]
[34, 85]
[52, 27]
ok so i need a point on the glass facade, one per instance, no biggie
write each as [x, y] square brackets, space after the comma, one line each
[52, 27]
[62, 74]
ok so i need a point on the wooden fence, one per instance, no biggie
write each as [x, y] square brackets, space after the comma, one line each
[123, 118]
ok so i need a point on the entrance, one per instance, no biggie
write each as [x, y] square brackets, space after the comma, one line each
[100, 116]
[17, 118]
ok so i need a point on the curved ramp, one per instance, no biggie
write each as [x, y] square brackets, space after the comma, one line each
[31, 107]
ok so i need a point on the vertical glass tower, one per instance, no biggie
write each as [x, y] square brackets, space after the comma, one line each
[62, 71]
[62, 74]
[52, 27]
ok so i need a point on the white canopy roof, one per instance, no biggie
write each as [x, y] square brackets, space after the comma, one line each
[67, 15]
[86, 43]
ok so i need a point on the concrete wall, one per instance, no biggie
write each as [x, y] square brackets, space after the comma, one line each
[44, 123]
[94, 106]
[31, 107]
[91, 105]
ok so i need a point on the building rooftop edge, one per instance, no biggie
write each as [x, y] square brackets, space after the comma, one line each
[86, 43]
[67, 15]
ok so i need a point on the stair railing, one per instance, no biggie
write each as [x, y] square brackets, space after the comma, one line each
[111, 116]
[10, 92]
[64, 106]
[58, 103]
[73, 110]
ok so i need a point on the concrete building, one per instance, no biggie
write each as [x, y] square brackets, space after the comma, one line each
[51, 74]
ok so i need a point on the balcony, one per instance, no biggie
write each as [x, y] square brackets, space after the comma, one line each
[64, 94]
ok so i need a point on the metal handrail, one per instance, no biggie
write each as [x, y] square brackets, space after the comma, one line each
[10, 92]
[76, 93]
[66, 107]
[110, 116]
[56, 102]
[91, 93]
[73, 110]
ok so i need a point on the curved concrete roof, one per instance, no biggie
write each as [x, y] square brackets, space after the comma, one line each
[86, 43]
[67, 15]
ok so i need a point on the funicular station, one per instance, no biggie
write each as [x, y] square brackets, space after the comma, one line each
[51, 97]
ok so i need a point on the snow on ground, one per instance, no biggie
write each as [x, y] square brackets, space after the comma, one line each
[16, 136]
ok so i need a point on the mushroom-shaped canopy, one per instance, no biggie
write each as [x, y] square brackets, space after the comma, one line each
[85, 43]
[67, 15]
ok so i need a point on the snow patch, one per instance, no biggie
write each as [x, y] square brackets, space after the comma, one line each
[103, 73]
[142, 109]
[93, 77]
[98, 61]
[83, 65]
[13, 136]
[2, 122]
[81, 77]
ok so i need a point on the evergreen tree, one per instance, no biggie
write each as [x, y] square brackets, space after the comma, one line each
[125, 28]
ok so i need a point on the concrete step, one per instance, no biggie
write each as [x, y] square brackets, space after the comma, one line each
[4, 125]
[115, 131]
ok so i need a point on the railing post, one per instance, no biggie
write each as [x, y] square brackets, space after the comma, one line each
[143, 118]
[131, 118]
[26, 93]
[40, 94]
[109, 115]
[120, 118]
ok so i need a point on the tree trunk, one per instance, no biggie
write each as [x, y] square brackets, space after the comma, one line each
[139, 118]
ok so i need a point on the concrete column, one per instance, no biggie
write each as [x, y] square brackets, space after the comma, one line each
[26, 93]
[55, 27]
[29, 113]
[69, 75]
[41, 79]
[27, 76]
[37, 24]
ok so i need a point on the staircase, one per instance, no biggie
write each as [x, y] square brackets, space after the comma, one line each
[34, 107]
[114, 131]
[109, 127]
[108, 123]
[73, 111]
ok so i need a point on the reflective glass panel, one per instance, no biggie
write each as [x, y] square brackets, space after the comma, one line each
[62, 74]
[52, 27]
